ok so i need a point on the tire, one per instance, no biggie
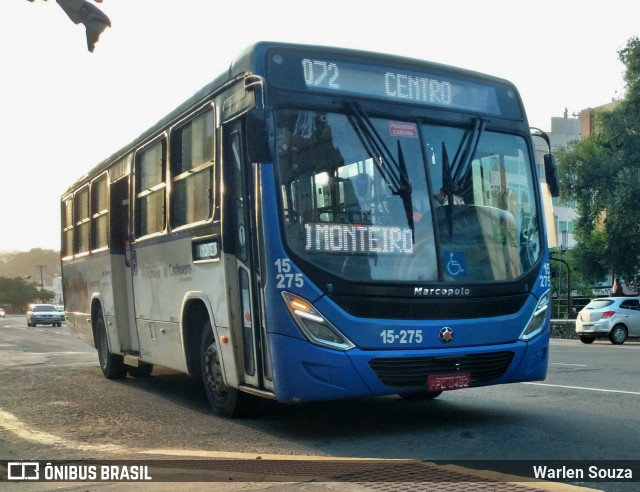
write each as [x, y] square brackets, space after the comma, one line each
[225, 401]
[420, 395]
[142, 371]
[112, 365]
[618, 335]
[585, 339]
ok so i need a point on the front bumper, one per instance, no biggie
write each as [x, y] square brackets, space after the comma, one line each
[48, 320]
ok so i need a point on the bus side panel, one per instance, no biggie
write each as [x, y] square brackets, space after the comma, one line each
[162, 269]
[163, 276]
[84, 280]
[77, 299]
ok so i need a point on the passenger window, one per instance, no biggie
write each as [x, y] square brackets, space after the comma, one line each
[192, 167]
[67, 227]
[150, 189]
[99, 213]
[81, 219]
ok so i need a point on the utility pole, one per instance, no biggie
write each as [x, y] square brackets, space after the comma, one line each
[41, 277]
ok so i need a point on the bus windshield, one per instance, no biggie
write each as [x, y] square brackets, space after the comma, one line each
[392, 200]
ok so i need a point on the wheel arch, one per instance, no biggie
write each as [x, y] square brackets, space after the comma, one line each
[196, 311]
[96, 307]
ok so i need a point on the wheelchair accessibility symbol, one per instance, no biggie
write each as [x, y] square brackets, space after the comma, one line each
[455, 264]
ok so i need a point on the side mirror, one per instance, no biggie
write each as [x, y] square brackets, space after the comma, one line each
[256, 135]
[551, 173]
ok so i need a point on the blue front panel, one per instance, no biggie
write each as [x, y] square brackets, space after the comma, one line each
[304, 371]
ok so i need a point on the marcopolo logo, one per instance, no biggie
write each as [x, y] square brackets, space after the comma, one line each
[23, 470]
[441, 292]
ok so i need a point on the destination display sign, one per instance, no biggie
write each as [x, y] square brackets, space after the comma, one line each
[349, 238]
[320, 72]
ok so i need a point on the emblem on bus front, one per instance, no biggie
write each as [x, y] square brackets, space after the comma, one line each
[446, 335]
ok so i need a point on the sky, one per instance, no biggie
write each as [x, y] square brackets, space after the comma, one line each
[64, 109]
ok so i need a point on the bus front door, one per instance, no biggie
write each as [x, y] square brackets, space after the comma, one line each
[243, 232]
[121, 266]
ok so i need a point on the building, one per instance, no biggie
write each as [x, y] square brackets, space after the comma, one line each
[563, 131]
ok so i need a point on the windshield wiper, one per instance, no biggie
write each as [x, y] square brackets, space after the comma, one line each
[393, 171]
[465, 152]
[447, 187]
[453, 175]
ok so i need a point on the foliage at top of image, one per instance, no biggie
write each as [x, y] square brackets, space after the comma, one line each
[601, 173]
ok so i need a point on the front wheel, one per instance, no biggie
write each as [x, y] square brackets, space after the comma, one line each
[618, 335]
[584, 339]
[112, 365]
[142, 371]
[225, 401]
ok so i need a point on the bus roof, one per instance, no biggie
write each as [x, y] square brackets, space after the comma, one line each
[252, 60]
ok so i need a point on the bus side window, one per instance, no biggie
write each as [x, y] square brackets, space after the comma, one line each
[192, 166]
[150, 189]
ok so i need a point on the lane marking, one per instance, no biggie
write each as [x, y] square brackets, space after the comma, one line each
[21, 430]
[58, 353]
[586, 389]
[571, 365]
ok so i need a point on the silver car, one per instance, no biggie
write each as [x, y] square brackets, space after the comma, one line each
[44, 314]
[614, 317]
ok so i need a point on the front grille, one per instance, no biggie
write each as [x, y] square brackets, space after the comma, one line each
[414, 371]
[394, 308]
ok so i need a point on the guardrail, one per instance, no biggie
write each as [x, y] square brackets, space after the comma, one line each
[563, 328]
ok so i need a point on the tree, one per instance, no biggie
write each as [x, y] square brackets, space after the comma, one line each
[19, 292]
[82, 12]
[602, 174]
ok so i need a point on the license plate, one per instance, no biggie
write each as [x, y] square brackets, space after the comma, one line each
[587, 327]
[447, 382]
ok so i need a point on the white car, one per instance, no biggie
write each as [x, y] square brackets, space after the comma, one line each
[1, 313]
[44, 314]
[615, 318]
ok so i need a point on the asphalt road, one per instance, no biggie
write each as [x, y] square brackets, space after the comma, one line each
[55, 404]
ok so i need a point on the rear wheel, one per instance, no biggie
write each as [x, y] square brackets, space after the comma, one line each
[225, 401]
[112, 365]
[584, 339]
[618, 335]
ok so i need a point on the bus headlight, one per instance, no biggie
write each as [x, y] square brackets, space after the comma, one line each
[538, 319]
[313, 325]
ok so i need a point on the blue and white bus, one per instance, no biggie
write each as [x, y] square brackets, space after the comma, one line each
[318, 223]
